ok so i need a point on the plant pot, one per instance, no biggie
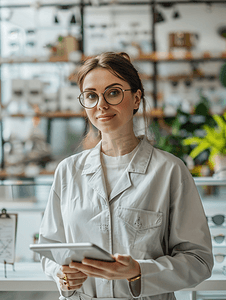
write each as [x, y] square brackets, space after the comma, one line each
[220, 166]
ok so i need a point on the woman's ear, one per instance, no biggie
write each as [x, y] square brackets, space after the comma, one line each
[137, 98]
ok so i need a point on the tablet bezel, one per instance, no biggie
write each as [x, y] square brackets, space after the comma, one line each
[76, 252]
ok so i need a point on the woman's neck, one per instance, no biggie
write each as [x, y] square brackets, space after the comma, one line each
[118, 145]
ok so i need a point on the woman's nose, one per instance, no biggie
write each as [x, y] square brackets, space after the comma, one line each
[102, 102]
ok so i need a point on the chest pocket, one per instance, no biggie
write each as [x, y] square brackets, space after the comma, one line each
[138, 228]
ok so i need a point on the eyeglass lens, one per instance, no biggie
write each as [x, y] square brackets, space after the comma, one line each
[219, 238]
[217, 219]
[113, 96]
[219, 257]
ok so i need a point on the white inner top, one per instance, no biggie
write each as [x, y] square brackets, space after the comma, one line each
[114, 166]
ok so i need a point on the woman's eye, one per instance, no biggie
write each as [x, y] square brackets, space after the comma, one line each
[91, 96]
[114, 93]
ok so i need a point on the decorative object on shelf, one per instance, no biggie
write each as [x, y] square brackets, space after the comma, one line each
[159, 17]
[186, 40]
[65, 46]
[215, 141]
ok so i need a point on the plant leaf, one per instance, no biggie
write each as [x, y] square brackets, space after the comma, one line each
[221, 123]
[200, 148]
[192, 141]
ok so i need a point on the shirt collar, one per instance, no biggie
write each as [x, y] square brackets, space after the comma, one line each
[138, 164]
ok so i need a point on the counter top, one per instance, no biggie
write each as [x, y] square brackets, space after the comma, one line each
[30, 277]
[26, 277]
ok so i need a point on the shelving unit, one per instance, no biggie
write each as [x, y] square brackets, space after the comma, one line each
[155, 58]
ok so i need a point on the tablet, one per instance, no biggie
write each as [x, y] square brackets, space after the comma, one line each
[64, 253]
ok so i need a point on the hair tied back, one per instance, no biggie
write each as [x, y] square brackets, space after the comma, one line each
[125, 55]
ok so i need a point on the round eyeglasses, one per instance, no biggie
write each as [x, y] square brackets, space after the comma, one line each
[112, 96]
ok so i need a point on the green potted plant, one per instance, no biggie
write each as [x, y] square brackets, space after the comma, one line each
[215, 141]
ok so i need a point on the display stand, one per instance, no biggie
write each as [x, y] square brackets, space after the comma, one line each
[8, 228]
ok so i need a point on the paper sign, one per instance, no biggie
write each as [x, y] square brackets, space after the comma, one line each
[7, 239]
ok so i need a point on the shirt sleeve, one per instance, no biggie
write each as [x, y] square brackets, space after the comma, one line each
[189, 260]
[52, 231]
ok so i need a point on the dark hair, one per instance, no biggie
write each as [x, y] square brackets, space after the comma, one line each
[118, 64]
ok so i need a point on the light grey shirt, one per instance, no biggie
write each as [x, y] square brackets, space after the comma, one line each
[153, 214]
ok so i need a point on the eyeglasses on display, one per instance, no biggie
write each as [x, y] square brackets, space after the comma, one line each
[112, 96]
[219, 238]
[219, 257]
[217, 219]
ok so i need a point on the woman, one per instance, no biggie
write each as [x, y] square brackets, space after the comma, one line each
[136, 202]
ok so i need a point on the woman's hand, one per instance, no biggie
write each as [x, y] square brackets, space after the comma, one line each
[71, 278]
[124, 267]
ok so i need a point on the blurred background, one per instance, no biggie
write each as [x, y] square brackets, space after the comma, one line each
[179, 50]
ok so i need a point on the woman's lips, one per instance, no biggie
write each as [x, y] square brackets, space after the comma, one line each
[105, 118]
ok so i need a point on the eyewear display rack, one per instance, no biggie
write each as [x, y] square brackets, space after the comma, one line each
[153, 57]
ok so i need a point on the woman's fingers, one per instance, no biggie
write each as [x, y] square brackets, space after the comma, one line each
[67, 269]
[77, 275]
[71, 284]
[70, 278]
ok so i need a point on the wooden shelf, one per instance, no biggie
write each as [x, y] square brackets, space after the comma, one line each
[178, 77]
[157, 112]
[180, 57]
[50, 115]
[154, 57]
[35, 60]
[4, 174]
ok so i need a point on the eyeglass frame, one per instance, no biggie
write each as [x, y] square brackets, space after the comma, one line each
[216, 256]
[222, 236]
[212, 219]
[103, 96]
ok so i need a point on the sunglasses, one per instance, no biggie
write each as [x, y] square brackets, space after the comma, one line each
[219, 257]
[217, 219]
[219, 238]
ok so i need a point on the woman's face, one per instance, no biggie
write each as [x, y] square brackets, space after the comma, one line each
[108, 118]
